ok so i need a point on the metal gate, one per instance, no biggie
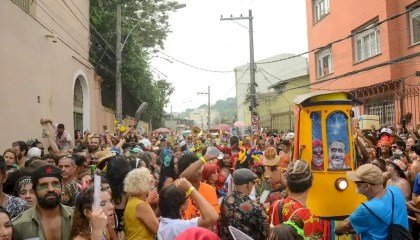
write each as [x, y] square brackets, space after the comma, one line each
[390, 100]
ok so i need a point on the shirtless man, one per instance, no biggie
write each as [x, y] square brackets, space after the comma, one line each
[48, 219]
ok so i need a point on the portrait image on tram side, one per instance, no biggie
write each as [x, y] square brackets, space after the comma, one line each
[337, 156]
[317, 162]
[338, 142]
[317, 155]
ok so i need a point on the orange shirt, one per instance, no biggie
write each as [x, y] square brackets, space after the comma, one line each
[285, 159]
[209, 193]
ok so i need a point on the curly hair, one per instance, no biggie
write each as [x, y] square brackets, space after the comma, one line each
[80, 227]
[137, 181]
[118, 168]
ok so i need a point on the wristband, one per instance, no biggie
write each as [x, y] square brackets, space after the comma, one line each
[190, 190]
[203, 160]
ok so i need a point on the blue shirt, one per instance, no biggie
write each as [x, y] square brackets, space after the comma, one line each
[416, 185]
[368, 226]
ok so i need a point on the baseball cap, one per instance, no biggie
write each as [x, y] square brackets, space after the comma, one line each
[368, 173]
[290, 136]
[386, 130]
[243, 176]
[34, 152]
[136, 150]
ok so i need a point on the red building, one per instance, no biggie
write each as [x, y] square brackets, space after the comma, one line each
[377, 58]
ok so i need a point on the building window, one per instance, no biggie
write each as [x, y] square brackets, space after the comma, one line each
[384, 109]
[321, 8]
[24, 4]
[366, 43]
[324, 62]
[415, 26]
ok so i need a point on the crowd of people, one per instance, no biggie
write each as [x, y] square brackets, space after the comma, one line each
[197, 186]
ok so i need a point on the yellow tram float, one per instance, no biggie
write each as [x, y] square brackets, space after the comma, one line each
[324, 139]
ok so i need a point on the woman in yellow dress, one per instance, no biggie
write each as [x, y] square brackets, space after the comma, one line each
[140, 221]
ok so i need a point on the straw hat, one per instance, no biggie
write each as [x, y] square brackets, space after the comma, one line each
[270, 157]
[104, 158]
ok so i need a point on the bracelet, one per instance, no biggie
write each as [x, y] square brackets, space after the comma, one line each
[203, 160]
[190, 190]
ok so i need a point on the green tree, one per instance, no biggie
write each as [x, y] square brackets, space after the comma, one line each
[151, 18]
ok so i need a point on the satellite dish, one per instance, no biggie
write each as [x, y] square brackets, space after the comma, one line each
[141, 110]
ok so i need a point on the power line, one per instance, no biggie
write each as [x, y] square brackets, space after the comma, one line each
[342, 39]
[64, 29]
[236, 82]
[268, 80]
[91, 25]
[74, 15]
[390, 62]
[191, 66]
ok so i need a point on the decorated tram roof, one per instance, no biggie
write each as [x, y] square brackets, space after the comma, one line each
[325, 96]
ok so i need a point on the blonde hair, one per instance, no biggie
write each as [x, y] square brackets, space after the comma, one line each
[137, 181]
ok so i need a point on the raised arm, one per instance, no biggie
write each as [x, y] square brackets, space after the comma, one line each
[209, 216]
[193, 168]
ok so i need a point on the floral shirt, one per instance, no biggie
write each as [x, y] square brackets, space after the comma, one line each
[239, 211]
[15, 206]
[313, 226]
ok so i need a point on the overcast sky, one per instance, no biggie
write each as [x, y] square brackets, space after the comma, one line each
[199, 38]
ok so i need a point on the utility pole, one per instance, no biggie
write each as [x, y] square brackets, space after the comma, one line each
[208, 106]
[118, 84]
[253, 105]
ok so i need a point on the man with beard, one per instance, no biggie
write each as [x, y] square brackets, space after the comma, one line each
[48, 219]
[94, 143]
[337, 156]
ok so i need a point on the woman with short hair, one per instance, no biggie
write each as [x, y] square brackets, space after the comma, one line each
[139, 218]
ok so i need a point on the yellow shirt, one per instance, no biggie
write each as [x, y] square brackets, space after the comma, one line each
[134, 228]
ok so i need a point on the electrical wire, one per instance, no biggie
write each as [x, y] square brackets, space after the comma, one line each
[372, 67]
[192, 66]
[236, 82]
[64, 29]
[342, 39]
[93, 27]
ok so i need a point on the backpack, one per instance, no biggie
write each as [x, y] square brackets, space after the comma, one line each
[395, 231]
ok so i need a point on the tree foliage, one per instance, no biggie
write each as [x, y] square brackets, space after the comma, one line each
[148, 22]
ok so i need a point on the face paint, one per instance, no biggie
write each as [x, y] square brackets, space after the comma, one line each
[41, 187]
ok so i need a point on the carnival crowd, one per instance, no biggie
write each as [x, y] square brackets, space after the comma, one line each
[197, 186]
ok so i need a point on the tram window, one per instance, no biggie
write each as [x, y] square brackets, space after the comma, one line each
[338, 142]
[317, 163]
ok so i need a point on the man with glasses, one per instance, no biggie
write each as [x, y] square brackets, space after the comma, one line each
[372, 219]
[239, 211]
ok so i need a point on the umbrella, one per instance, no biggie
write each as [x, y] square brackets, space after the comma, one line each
[162, 130]
[239, 124]
[224, 127]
